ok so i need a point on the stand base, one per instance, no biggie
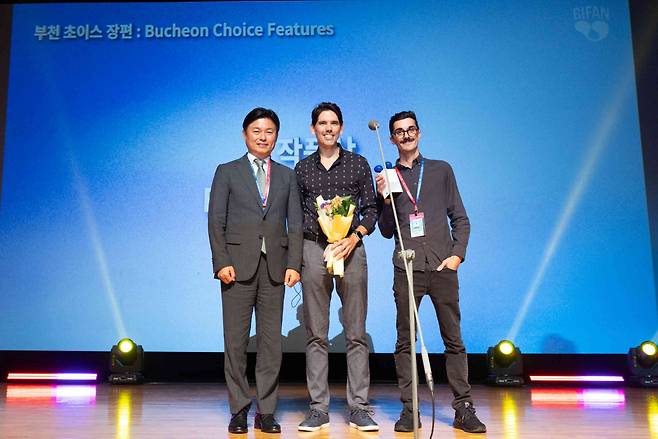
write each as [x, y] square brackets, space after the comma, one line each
[505, 381]
[643, 381]
[126, 378]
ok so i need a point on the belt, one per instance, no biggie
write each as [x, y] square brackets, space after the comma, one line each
[315, 237]
[320, 238]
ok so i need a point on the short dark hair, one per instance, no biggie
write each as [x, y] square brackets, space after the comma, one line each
[260, 113]
[399, 116]
[326, 106]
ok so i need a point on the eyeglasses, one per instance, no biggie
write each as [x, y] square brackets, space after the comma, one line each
[412, 131]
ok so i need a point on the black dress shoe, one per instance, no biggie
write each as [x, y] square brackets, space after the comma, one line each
[238, 424]
[266, 423]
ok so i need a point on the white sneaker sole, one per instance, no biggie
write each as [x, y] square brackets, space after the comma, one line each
[366, 428]
[304, 428]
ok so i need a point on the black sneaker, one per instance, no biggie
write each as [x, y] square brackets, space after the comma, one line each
[406, 422]
[314, 421]
[361, 420]
[467, 420]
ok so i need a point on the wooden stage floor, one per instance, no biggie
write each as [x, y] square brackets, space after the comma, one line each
[201, 411]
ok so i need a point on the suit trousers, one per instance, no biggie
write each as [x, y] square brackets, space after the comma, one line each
[239, 300]
[318, 285]
[443, 289]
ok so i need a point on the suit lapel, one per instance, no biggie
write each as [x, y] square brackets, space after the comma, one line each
[250, 182]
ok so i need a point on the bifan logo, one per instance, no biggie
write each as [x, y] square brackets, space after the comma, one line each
[592, 21]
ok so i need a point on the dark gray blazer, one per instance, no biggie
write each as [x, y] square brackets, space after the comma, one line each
[237, 222]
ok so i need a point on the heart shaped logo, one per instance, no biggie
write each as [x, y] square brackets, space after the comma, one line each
[595, 31]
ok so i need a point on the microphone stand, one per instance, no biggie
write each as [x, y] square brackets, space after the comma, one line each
[407, 257]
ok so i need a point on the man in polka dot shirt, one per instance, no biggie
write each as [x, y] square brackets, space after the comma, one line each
[332, 171]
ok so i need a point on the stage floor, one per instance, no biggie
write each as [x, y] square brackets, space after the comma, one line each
[201, 411]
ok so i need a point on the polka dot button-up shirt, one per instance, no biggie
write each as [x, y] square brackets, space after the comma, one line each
[349, 175]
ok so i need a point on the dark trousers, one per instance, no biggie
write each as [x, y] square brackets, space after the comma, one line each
[443, 289]
[239, 300]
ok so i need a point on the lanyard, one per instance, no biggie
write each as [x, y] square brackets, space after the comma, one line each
[263, 195]
[406, 188]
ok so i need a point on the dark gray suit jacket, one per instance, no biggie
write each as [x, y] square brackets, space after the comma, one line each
[237, 222]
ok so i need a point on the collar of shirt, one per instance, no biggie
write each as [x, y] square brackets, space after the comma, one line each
[318, 163]
[251, 159]
[415, 163]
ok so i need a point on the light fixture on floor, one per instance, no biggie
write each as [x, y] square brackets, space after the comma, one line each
[643, 365]
[126, 363]
[505, 364]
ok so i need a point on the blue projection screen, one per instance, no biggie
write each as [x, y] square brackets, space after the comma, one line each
[118, 114]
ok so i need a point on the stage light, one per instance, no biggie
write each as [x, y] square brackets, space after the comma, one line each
[61, 376]
[505, 364]
[643, 365]
[576, 379]
[506, 347]
[649, 348]
[126, 345]
[126, 363]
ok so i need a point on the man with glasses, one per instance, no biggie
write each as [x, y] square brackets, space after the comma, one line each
[429, 198]
[332, 171]
[255, 228]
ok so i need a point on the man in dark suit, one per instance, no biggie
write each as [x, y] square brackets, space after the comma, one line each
[255, 228]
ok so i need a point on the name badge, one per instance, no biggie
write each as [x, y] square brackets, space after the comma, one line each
[417, 224]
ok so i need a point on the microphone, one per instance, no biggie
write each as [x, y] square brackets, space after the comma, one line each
[380, 168]
[373, 125]
[391, 177]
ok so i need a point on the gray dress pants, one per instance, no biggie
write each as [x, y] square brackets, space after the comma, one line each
[318, 285]
[239, 300]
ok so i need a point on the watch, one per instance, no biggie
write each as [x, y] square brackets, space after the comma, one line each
[359, 234]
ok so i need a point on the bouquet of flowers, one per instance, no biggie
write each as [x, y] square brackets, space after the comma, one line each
[335, 218]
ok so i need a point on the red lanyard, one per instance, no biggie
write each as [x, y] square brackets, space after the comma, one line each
[406, 188]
